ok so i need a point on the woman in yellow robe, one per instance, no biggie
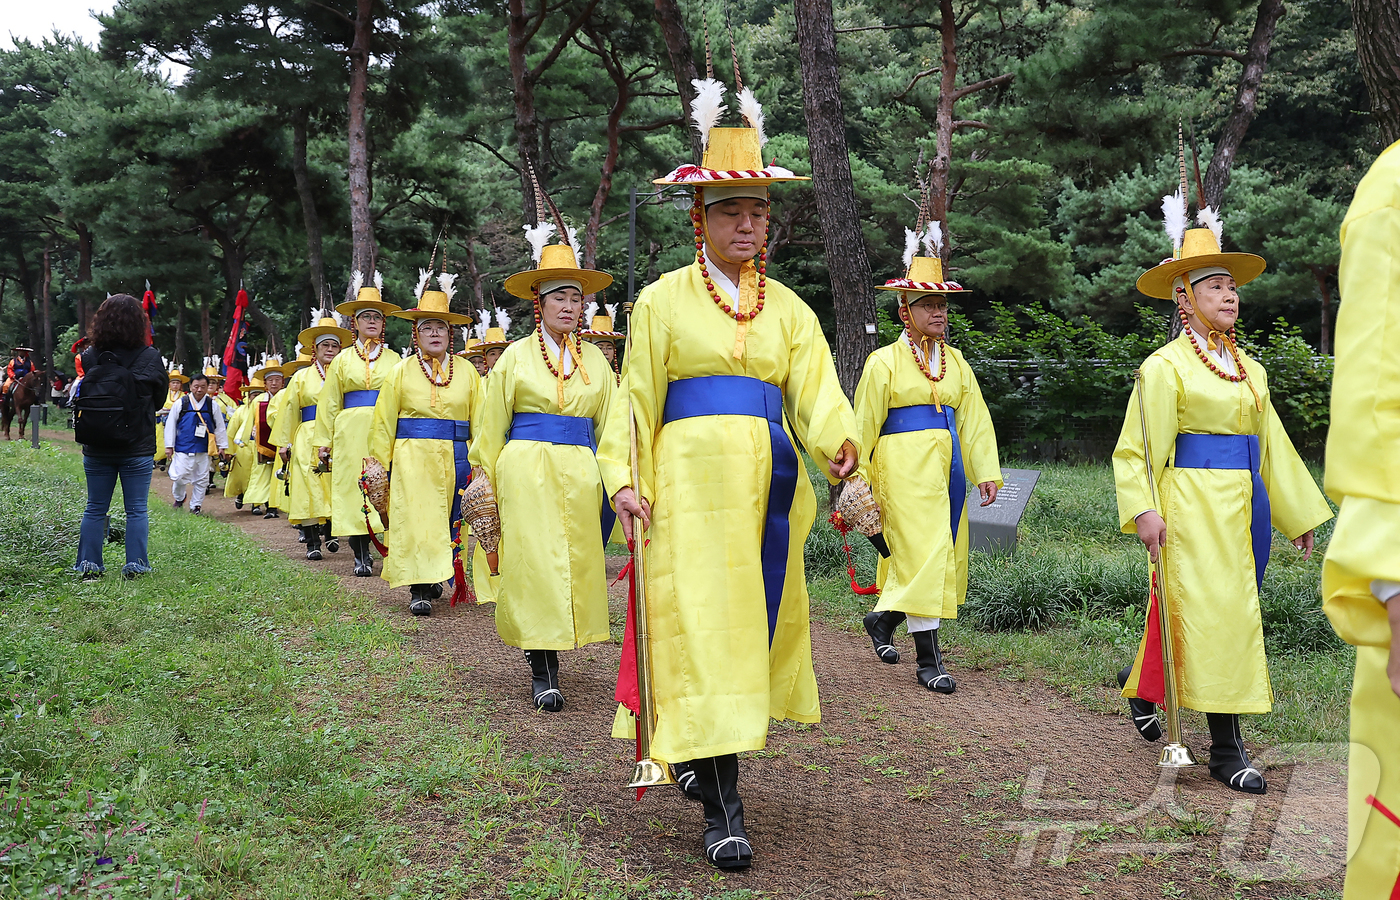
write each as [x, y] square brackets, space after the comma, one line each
[916, 398]
[279, 498]
[309, 490]
[422, 422]
[1224, 470]
[728, 371]
[344, 414]
[175, 391]
[1361, 575]
[261, 482]
[545, 404]
[240, 426]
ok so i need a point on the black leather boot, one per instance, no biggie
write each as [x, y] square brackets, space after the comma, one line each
[312, 533]
[238, 502]
[726, 843]
[880, 626]
[364, 563]
[931, 673]
[1229, 763]
[433, 591]
[418, 602]
[332, 542]
[544, 679]
[686, 779]
[1144, 714]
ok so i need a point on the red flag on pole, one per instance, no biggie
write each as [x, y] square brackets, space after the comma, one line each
[235, 362]
[148, 303]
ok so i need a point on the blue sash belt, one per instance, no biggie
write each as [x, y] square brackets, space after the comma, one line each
[902, 419]
[1233, 451]
[737, 395]
[458, 431]
[355, 399]
[308, 413]
[576, 431]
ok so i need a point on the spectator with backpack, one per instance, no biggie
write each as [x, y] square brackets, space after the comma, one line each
[114, 418]
[191, 422]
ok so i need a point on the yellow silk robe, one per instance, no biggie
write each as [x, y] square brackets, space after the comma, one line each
[239, 426]
[1363, 476]
[170, 398]
[277, 488]
[553, 584]
[717, 680]
[228, 408]
[1217, 631]
[908, 474]
[310, 500]
[346, 433]
[422, 477]
[260, 476]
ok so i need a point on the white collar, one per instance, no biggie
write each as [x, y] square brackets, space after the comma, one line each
[720, 279]
[565, 360]
[909, 341]
[1222, 357]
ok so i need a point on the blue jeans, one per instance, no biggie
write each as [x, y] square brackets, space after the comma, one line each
[102, 474]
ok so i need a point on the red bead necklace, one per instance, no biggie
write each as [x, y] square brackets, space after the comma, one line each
[1210, 364]
[923, 366]
[696, 212]
[423, 363]
[563, 347]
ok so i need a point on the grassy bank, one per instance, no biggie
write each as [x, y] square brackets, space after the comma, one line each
[234, 725]
[1067, 607]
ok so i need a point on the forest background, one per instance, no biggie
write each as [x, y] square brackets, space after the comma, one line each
[207, 145]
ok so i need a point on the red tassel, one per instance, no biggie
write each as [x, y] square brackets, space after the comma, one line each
[844, 529]
[1152, 680]
[463, 591]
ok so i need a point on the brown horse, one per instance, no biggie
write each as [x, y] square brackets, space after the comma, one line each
[25, 395]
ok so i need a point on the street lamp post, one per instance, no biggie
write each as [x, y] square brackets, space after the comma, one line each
[681, 200]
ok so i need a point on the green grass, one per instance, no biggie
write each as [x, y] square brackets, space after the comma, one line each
[233, 725]
[1067, 607]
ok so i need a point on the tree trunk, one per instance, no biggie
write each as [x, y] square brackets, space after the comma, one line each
[308, 207]
[204, 336]
[1256, 60]
[623, 96]
[846, 259]
[85, 242]
[361, 223]
[477, 276]
[1377, 26]
[678, 48]
[527, 126]
[47, 365]
[1321, 273]
[179, 356]
[943, 129]
[26, 283]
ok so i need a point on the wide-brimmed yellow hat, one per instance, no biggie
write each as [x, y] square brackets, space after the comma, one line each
[557, 262]
[433, 305]
[255, 384]
[472, 349]
[176, 375]
[925, 277]
[367, 297]
[1200, 250]
[732, 156]
[326, 326]
[601, 326]
[495, 340]
[302, 361]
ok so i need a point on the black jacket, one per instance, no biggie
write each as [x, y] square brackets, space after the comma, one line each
[151, 385]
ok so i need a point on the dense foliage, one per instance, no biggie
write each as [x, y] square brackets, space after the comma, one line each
[173, 153]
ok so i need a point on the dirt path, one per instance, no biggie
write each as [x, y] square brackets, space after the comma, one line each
[1000, 790]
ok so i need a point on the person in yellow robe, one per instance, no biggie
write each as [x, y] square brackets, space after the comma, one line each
[924, 429]
[422, 423]
[309, 485]
[1361, 574]
[543, 408]
[280, 499]
[261, 482]
[1224, 470]
[483, 351]
[345, 412]
[240, 429]
[174, 391]
[727, 372]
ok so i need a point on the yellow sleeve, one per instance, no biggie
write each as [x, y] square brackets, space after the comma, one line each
[603, 416]
[644, 383]
[328, 406]
[495, 411]
[1159, 387]
[976, 433]
[1363, 549]
[821, 416]
[386, 418]
[288, 413]
[872, 407]
[1296, 505]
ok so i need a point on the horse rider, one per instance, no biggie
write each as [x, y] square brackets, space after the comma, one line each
[19, 366]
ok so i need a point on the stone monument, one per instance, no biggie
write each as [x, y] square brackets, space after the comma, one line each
[994, 527]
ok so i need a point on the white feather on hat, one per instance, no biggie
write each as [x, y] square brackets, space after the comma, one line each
[932, 238]
[481, 327]
[357, 281]
[448, 282]
[911, 246]
[379, 282]
[1174, 218]
[1210, 218]
[538, 236]
[590, 310]
[612, 312]
[752, 113]
[707, 107]
[423, 278]
[503, 320]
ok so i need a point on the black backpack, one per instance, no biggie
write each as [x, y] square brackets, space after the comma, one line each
[107, 409]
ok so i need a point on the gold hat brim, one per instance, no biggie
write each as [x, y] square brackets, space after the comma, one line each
[1157, 281]
[293, 367]
[351, 307]
[414, 315]
[708, 181]
[177, 376]
[915, 290]
[610, 335]
[265, 371]
[309, 336]
[522, 284]
[489, 345]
